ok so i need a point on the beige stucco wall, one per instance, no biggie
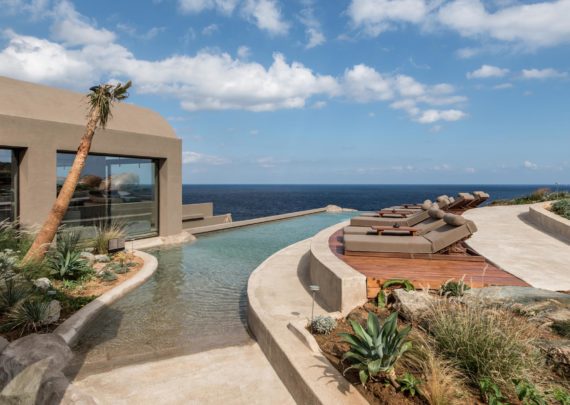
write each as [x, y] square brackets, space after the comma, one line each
[41, 139]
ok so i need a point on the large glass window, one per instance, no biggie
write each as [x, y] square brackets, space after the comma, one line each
[113, 188]
[8, 184]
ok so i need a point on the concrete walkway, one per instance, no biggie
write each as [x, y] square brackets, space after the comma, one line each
[232, 375]
[507, 239]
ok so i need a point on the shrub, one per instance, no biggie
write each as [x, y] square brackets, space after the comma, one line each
[381, 299]
[12, 238]
[27, 315]
[491, 392]
[540, 195]
[453, 288]
[562, 208]
[442, 383]
[562, 328]
[527, 393]
[375, 350]
[65, 261]
[561, 395]
[105, 232]
[409, 384]
[107, 275]
[484, 342]
[323, 325]
[11, 293]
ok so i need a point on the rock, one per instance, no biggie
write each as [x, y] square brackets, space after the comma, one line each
[515, 295]
[102, 258]
[53, 312]
[358, 316]
[30, 349]
[3, 344]
[558, 353]
[333, 208]
[89, 257]
[412, 305]
[42, 284]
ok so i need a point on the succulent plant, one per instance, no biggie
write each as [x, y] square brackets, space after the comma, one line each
[323, 324]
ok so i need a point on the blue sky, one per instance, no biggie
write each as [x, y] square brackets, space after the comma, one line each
[308, 91]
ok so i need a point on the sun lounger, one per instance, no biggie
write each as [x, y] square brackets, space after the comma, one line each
[461, 202]
[369, 220]
[442, 240]
[434, 221]
[480, 198]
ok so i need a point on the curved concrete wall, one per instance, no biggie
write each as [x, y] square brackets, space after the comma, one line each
[341, 287]
[548, 221]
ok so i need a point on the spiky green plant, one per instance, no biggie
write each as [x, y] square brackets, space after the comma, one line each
[27, 315]
[405, 283]
[409, 384]
[560, 395]
[65, 261]
[375, 350]
[11, 293]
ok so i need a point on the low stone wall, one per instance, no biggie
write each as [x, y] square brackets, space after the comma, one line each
[255, 221]
[71, 329]
[341, 287]
[548, 221]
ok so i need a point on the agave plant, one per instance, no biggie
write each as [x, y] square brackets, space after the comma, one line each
[374, 350]
[66, 261]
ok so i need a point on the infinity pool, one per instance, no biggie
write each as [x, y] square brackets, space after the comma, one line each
[197, 298]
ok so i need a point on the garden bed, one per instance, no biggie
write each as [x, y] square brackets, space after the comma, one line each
[462, 352]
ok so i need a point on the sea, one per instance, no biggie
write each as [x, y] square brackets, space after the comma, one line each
[254, 201]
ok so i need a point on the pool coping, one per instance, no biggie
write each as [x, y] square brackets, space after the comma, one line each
[291, 350]
[255, 221]
[72, 327]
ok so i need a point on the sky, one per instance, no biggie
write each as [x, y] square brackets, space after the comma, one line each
[323, 91]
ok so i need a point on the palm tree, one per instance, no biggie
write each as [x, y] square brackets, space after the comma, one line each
[100, 100]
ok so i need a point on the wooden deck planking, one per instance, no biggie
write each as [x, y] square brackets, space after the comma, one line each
[424, 273]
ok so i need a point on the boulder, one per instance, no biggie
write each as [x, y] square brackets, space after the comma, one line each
[333, 208]
[413, 305]
[515, 295]
[102, 258]
[558, 353]
[53, 312]
[89, 257]
[42, 284]
[31, 349]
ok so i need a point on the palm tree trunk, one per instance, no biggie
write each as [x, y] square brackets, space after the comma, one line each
[51, 225]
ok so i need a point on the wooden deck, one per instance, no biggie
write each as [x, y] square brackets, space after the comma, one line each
[423, 273]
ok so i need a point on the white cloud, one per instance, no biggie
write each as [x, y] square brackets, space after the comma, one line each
[319, 105]
[35, 8]
[269, 162]
[527, 164]
[133, 32]
[266, 15]
[210, 29]
[204, 159]
[431, 116]
[197, 6]
[243, 52]
[487, 71]
[72, 28]
[537, 24]
[313, 30]
[532, 25]
[547, 73]
[377, 16]
[364, 84]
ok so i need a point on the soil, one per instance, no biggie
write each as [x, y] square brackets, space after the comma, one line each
[87, 292]
[376, 392]
[380, 392]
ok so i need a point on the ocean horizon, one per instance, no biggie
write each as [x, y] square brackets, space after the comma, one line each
[247, 201]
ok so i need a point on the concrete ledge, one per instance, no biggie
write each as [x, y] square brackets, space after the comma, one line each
[182, 237]
[341, 287]
[548, 221]
[279, 307]
[255, 221]
[71, 328]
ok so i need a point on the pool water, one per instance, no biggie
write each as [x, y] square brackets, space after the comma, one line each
[197, 298]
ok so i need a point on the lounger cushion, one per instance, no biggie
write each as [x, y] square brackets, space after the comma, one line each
[451, 199]
[481, 194]
[379, 221]
[447, 235]
[442, 197]
[387, 244]
[426, 205]
[455, 220]
[359, 230]
[466, 196]
[435, 212]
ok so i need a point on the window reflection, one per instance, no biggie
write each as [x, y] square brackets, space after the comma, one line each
[8, 193]
[113, 188]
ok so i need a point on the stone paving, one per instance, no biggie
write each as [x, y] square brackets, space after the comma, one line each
[506, 238]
